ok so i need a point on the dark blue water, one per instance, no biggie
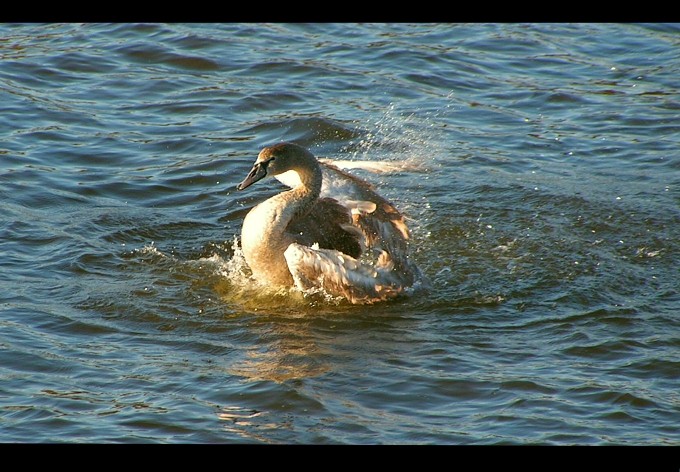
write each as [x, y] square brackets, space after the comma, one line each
[545, 210]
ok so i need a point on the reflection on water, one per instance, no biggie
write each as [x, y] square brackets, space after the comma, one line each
[247, 423]
[288, 352]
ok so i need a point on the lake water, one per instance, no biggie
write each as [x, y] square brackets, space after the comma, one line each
[545, 212]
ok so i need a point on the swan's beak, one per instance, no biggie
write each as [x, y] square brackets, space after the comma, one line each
[258, 171]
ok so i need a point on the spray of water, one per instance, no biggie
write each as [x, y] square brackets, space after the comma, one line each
[416, 138]
[413, 141]
[241, 288]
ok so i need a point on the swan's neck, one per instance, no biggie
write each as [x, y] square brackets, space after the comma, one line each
[306, 191]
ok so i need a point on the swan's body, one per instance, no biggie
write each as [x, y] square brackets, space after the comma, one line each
[330, 231]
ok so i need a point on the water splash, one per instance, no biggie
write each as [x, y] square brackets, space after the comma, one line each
[238, 286]
[415, 142]
[413, 137]
[419, 140]
[149, 249]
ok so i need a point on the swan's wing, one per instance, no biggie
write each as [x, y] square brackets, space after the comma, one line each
[360, 199]
[342, 275]
[383, 226]
[350, 220]
[329, 225]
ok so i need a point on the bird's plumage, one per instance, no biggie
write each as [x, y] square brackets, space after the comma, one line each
[330, 231]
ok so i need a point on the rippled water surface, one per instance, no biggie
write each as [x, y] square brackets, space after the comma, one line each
[544, 203]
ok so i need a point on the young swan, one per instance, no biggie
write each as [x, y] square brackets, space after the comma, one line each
[330, 231]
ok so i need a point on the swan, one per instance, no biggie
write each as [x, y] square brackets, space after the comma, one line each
[330, 231]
